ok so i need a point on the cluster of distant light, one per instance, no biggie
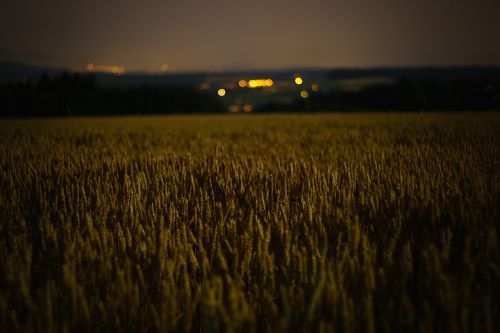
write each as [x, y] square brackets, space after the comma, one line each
[256, 83]
[93, 68]
[111, 69]
[117, 70]
[263, 83]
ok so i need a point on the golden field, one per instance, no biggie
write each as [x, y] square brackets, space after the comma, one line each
[365, 222]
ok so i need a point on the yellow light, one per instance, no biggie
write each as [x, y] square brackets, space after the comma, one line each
[248, 108]
[117, 70]
[242, 83]
[260, 83]
[90, 67]
[221, 92]
[315, 87]
[304, 94]
[298, 80]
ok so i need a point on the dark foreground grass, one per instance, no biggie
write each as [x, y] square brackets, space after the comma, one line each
[329, 223]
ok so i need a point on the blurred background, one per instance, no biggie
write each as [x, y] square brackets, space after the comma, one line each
[60, 58]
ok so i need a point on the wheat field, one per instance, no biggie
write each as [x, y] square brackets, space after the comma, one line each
[365, 222]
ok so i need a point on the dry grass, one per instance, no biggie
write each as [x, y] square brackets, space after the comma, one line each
[345, 223]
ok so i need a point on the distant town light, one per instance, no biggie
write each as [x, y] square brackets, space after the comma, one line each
[298, 80]
[234, 108]
[221, 92]
[258, 83]
[242, 83]
[315, 87]
[248, 108]
[116, 70]
[304, 94]
[164, 67]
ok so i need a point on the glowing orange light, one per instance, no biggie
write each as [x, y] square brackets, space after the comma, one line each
[248, 108]
[298, 80]
[164, 67]
[221, 92]
[315, 87]
[242, 83]
[304, 94]
[269, 83]
[116, 70]
[205, 86]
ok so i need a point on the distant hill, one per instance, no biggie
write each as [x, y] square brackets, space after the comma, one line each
[182, 79]
[419, 73]
[18, 72]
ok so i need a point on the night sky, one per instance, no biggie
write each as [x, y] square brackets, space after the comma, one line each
[230, 34]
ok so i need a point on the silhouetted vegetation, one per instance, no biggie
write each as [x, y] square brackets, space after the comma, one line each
[415, 95]
[404, 95]
[74, 94]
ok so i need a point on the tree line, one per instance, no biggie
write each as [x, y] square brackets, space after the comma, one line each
[403, 95]
[76, 94]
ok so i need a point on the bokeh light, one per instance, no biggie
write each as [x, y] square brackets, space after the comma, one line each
[113, 69]
[248, 107]
[221, 92]
[304, 94]
[298, 80]
[258, 83]
[242, 83]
